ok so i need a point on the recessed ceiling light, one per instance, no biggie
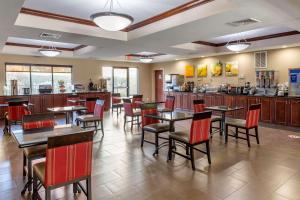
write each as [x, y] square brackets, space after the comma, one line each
[284, 46]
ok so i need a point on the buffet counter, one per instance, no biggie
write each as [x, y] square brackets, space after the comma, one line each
[277, 110]
[43, 101]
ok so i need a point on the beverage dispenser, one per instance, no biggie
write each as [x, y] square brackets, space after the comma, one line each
[294, 82]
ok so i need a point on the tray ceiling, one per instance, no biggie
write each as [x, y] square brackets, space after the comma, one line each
[138, 9]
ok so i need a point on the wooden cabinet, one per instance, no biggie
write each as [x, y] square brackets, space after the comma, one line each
[46, 102]
[281, 110]
[252, 100]
[266, 109]
[208, 100]
[294, 112]
[229, 101]
[37, 104]
[59, 100]
[2, 109]
[241, 101]
[192, 98]
[178, 100]
[186, 102]
[217, 100]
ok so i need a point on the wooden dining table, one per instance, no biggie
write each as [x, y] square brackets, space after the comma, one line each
[67, 110]
[223, 110]
[171, 117]
[26, 139]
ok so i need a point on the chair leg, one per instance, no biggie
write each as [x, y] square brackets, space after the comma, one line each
[248, 138]
[35, 187]
[95, 125]
[187, 150]
[47, 194]
[236, 132]
[220, 127]
[132, 119]
[192, 157]
[29, 174]
[208, 152]
[124, 122]
[89, 188]
[170, 149]
[256, 134]
[142, 139]
[24, 164]
[226, 134]
[102, 127]
[156, 144]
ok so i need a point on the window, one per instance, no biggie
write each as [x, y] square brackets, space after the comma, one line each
[121, 80]
[133, 81]
[107, 74]
[31, 76]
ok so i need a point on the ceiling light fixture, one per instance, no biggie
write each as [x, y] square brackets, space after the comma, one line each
[239, 45]
[50, 52]
[146, 59]
[112, 21]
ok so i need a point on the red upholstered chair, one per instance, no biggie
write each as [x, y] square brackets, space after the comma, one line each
[31, 124]
[169, 104]
[251, 122]
[136, 101]
[152, 125]
[96, 118]
[90, 105]
[199, 134]
[15, 112]
[199, 106]
[68, 161]
[130, 112]
[116, 103]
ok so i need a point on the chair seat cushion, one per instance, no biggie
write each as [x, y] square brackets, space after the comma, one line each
[157, 128]
[215, 118]
[180, 136]
[39, 170]
[37, 151]
[136, 112]
[236, 122]
[88, 118]
[117, 105]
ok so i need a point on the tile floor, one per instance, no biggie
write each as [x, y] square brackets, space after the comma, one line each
[122, 170]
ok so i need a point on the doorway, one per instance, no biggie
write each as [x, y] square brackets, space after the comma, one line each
[120, 81]
[159, 85]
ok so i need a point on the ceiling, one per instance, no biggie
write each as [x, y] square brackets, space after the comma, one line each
[170, 34]
[41, 43]
[138, 9]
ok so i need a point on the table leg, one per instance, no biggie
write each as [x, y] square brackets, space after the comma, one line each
[172, 127]
[67, 117]
[223, 124]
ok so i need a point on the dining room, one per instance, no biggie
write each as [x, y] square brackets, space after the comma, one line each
[136, 99]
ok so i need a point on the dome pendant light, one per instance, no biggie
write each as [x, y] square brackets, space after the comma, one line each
[49, 52]
[146, 59]
[238, 45]
[112, 21]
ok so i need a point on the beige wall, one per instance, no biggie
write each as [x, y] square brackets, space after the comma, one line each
[83, 69]
[279, 60]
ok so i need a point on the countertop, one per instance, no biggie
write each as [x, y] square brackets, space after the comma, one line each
[67, 93]
[221, 93]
